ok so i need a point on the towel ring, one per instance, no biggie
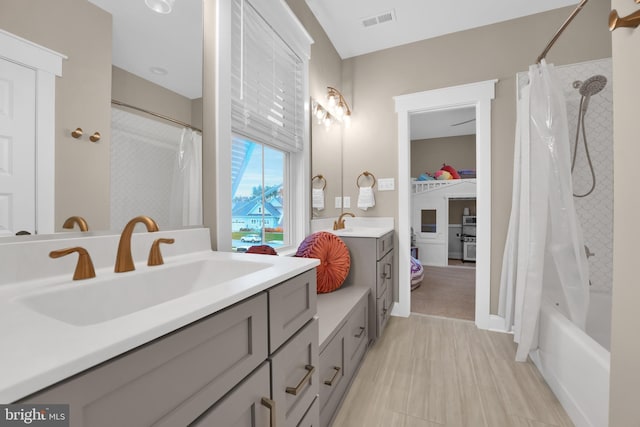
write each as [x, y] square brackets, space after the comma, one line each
[320, 178]
[366, 174]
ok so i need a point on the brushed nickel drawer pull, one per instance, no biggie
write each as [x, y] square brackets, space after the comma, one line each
[335, 375]
[271, 404]
[295, 390]
[358, 335]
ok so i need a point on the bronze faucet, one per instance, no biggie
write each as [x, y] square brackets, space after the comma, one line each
[84, 267]
[82, 224]
[124, 260]
[339, 224]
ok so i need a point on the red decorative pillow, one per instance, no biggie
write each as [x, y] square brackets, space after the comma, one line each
[454, 173]
[334, 259]
[262, 249]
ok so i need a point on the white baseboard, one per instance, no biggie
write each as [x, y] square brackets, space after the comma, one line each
[498, 324]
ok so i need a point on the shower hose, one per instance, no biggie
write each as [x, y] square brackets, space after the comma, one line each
[581, 126]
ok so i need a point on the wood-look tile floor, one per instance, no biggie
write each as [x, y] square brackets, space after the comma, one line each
[446, 292]
[430, 372]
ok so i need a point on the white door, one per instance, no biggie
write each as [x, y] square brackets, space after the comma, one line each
[17, 148]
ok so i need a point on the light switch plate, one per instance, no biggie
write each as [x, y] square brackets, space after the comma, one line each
[386, 184]
[346, 202]
[338, 202]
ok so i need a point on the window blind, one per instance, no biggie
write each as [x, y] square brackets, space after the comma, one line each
[266, 82]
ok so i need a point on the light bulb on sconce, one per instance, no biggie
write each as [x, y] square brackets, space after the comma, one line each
[337, 109]
[160, 6]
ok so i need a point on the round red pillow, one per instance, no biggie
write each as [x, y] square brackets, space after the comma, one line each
[334, 259]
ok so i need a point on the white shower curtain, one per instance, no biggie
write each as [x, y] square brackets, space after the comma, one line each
[186, 191]
[543, 222]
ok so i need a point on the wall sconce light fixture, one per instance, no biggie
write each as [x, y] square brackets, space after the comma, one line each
[337, 109]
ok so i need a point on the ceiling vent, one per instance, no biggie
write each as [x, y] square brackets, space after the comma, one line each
[379, 19]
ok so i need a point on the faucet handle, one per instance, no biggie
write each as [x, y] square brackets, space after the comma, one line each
[155, 257]
[84, 267]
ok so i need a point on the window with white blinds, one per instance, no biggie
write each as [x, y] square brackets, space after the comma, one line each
[267, 97]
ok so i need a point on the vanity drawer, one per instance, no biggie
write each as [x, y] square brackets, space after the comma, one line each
[291, 305]
[171, 378]
[332, 376]
[243, 407]
[355, 331]
[384, 244]
[294, 375]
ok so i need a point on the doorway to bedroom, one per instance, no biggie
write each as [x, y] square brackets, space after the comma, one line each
[443, 211]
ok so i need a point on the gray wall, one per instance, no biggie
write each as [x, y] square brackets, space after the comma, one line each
[495, 51]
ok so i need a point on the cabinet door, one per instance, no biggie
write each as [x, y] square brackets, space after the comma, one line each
[332, 376]
[294, 375]
[311, 417]
[244, 406]
[172, 380]
[355, 342]
[291, 305]
[384, 274]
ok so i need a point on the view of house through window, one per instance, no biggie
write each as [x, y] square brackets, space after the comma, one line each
[257, 192]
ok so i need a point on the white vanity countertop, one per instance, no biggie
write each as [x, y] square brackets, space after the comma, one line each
[39, 350]
[356, 227]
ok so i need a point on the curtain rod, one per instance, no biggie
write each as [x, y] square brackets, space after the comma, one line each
[160, 116]
[561, 30]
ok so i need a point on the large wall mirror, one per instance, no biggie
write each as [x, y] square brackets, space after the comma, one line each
[122, 50]
[326, 160]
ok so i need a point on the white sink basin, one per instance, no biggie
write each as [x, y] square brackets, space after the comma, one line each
[92, 301]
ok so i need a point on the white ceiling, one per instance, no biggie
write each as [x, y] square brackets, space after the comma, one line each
[414, 20]
[443, 123]
[143, 39]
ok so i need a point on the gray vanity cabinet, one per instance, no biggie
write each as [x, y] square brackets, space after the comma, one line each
[372, 267]
[213, 372]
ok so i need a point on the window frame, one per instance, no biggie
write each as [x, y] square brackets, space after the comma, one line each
[279, 16]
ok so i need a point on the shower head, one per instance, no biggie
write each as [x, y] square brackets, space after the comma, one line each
[591, 86]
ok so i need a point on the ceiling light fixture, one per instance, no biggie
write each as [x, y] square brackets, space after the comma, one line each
[160, 6]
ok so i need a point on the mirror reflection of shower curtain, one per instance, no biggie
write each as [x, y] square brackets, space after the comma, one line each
[543, 219]
[186, 189]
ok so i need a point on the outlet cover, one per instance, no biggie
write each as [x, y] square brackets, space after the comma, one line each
[338, 202]
[346, 202]
[386, 184]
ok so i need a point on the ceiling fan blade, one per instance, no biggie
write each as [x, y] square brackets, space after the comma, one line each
[465, 122]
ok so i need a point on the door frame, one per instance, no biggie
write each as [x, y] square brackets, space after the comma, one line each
[47, 65]
[478, 95]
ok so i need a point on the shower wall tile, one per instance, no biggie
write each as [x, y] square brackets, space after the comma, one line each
[595, 211]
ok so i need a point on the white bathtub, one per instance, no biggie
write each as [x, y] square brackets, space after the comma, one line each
[574, 364]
